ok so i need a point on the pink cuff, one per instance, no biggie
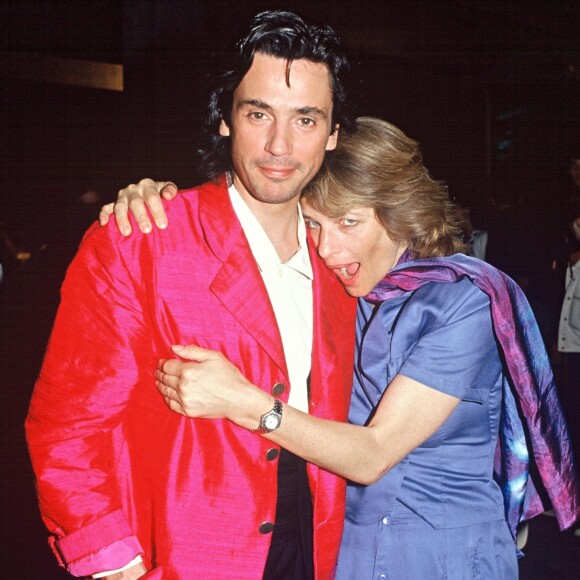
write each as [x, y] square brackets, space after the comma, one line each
[106, 544]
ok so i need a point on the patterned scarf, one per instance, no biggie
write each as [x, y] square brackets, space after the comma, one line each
[529, 392]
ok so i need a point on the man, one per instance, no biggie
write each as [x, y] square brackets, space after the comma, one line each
[569, 322]
[129, 488]
[474, 238]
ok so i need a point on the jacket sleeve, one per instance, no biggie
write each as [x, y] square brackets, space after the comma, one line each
[97, 355]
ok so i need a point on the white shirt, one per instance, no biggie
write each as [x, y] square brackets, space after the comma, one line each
[289, 287]
[477, 244]
[569, 330]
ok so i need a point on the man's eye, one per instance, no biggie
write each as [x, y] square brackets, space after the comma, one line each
[311, 224]
[306, 122]
[348, 222]
[257, 115]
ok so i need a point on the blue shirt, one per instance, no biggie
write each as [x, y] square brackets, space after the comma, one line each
[441, 336]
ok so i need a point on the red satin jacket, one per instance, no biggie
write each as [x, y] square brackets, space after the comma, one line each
[118, 473]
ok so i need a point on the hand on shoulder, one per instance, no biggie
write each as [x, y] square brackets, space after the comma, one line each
[137, 199]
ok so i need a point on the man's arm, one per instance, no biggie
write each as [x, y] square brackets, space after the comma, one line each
[97, 354]
[137, 198]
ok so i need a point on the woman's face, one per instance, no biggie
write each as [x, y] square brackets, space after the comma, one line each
[355, 247]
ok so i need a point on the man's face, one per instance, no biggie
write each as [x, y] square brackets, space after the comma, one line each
[279, 133]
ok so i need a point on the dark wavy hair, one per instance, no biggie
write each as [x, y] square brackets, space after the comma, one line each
[284, 35]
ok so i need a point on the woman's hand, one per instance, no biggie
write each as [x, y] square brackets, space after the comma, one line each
[136, 198]
[209, 387]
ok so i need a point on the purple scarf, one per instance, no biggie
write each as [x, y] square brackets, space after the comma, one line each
[530, 378]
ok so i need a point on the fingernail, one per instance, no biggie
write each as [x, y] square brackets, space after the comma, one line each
[161, 224]
[146, 228]
[126, 231]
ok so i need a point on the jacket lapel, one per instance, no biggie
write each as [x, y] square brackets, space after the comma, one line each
[333, 342]
[238, 284]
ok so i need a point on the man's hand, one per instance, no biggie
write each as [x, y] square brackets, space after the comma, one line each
[136, 198]
[131, 573]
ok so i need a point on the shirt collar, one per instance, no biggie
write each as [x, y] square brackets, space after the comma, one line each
[262, 248]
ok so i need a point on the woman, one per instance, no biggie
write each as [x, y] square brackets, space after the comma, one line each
[429, 383]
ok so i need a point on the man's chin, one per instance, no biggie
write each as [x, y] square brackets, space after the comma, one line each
[277, 193]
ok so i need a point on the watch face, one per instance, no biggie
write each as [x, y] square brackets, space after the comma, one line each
[271, 421]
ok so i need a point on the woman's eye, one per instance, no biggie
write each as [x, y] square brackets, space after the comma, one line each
[348, 222]
[311, 224]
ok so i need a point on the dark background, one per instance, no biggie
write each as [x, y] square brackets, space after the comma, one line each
[491, 90]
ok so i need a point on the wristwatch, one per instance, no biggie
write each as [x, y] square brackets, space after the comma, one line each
[271, 420]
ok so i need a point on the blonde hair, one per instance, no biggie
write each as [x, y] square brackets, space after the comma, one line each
[378, 166]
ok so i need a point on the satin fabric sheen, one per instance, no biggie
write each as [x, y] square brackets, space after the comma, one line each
[532, 386]
[117, 472]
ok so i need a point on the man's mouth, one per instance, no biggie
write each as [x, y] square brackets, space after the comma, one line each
[277, 172]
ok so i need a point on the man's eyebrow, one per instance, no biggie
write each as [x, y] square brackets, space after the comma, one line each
[312, 111]
[254, 103]
[307, 110]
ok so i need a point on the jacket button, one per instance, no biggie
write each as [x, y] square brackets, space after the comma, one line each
[266, 528]
[278, 389]
[272, 454]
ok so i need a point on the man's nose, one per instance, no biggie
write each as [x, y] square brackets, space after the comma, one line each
[279, 141]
